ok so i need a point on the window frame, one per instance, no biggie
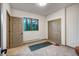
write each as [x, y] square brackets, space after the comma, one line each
[31, 19]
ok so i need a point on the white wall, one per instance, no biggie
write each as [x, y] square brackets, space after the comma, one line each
[72, 25]
[71, 29]
[0, 25]
[4, 7]
[59, 14]
[32, 35]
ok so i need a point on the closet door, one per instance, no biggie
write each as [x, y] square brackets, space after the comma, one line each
[54, 31]
[72, 26]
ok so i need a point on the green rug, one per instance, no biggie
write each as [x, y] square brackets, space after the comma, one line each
[40, 45]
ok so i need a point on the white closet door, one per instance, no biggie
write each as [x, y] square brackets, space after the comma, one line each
[72, 24]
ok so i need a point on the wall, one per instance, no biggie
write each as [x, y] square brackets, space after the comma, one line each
[4, 7]
[59, 14]
[69, 24]
[33, 35]
[0, 25]
[72, 25]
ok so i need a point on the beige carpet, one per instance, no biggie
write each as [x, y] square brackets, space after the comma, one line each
[46, 51]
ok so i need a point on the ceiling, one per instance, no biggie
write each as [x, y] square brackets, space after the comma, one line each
[40, 10]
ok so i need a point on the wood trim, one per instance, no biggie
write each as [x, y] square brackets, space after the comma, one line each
[35, 40]
[16, 17]
[69, 46]
[54, 19]
[8, 27]
[10, 33]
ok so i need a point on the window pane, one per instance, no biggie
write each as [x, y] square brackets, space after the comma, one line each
[24, 23]
[28, 24]
[34, 24]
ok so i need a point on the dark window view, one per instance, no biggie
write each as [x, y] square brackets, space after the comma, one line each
[30, 24]
[24, 23]
[34, 24]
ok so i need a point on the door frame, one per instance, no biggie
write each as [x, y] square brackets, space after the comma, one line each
[52, 21]
[8, 30]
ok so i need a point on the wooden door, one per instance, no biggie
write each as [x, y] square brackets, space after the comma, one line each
[17, 33]
[54, 31]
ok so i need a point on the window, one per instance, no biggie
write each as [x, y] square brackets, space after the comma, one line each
[30, 24]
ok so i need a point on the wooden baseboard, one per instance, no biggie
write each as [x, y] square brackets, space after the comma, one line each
[69, 46]
[32, 41]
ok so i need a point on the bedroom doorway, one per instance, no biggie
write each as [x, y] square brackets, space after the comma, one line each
[14, 31]
[54, 31]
